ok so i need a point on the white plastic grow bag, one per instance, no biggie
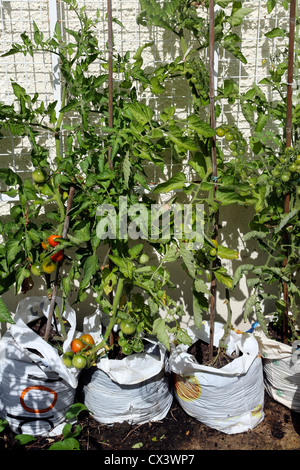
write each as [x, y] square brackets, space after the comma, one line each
[135, 389]
[229, 399]
[36, 388]
[281, 366]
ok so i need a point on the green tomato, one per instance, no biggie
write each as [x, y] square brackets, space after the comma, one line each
[293, 168]
[298, 159]
[213, 252]
[286, 177]
[79, 361]
[144, 259]
[127, 349]
[36, 269]
[128, 327]
[138, 346]
[220, 132]
[215, 243]
[233, 146]
[288, 150]
[38, 176]
[122, 341]
[229, 137]
[275, 173]
[67, 358]
[235, 153]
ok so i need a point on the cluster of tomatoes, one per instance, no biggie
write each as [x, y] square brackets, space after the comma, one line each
[80, 349]
[208, 253]
[288, 167]
[236, 143]
[47, 263]
[128, 341]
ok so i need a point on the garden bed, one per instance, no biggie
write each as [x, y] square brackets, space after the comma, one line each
[280, 430]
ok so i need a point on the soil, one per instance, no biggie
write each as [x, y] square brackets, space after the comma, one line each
[280, 430]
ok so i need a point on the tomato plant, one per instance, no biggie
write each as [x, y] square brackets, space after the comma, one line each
[110, 167]
[275, 225]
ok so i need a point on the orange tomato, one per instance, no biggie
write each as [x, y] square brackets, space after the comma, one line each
[87, 339]
[45, 245]
[52, 240]
[57, 256]
[76, 345]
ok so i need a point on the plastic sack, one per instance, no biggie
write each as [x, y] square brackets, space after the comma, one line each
[229, 399]
[135, 389]
[36, 388]
[281, 366]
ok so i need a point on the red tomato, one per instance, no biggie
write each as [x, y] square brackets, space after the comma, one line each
[52, 240]
[57, 256]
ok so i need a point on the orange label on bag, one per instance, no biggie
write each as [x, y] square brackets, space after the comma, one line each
[187, 387]
[42, 388]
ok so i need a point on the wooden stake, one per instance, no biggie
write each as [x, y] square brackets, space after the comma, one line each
[213, 288]
[289, 113]
[110, 74]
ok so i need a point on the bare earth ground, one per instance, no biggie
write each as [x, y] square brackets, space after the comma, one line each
[177, 433]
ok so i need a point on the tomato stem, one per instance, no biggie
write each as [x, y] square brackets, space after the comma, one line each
[113, 318]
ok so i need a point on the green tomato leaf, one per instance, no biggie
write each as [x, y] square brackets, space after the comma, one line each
[177, 181]
[227, 253]
[24, 439]
[275, 33]
[159, 328]
[90, 267]
[201, 127]
[5, 316]
[67, 444]
[249, 305]
[237, 17]
[139, 111]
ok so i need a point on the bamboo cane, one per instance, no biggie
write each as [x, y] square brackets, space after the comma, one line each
[110, 111]
[213, 288]
[289, 111]
[110, 74]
